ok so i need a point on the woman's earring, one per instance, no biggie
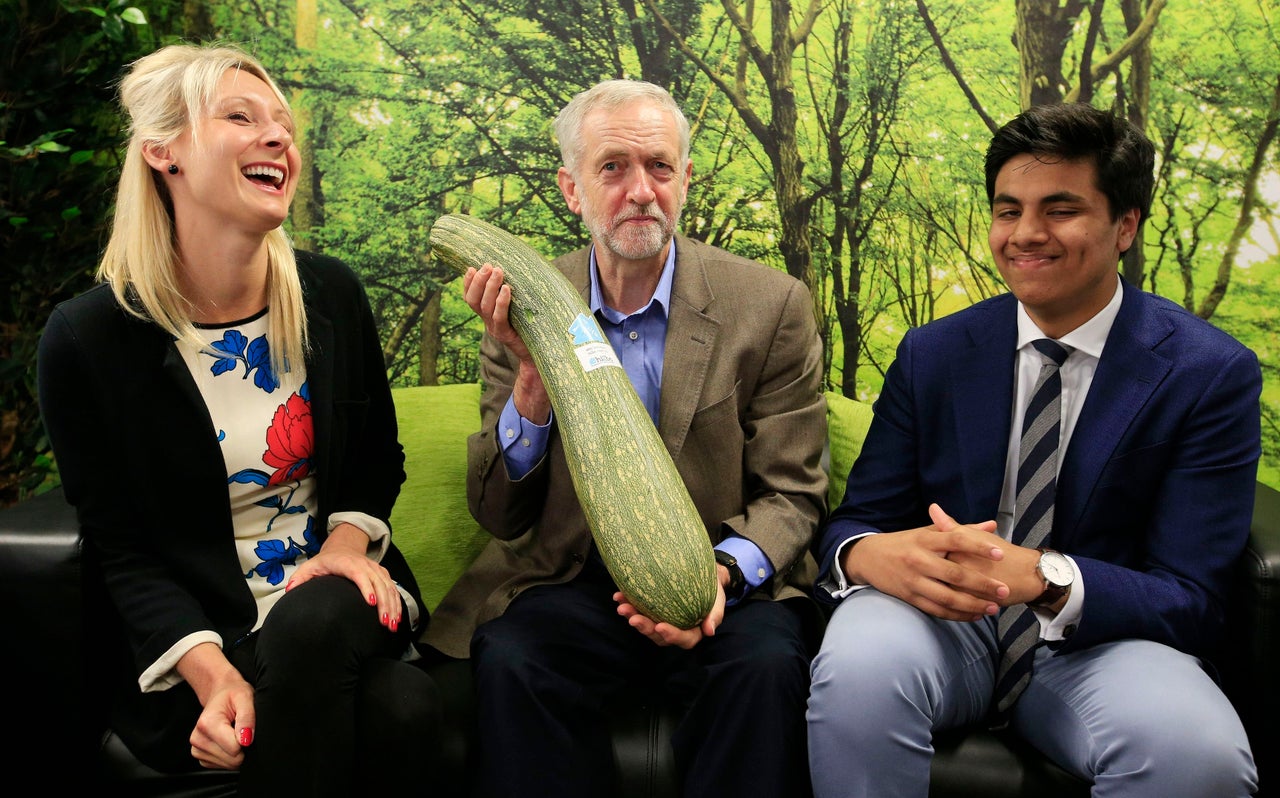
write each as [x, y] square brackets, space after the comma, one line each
[173, 168]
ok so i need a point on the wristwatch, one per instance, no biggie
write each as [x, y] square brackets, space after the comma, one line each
[1058, 575]
[736, 580]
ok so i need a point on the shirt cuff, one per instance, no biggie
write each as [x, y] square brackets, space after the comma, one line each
[523, 442]
[377, 530]
[836, 584]
[163, 673]
[411, 607]
[755, 566]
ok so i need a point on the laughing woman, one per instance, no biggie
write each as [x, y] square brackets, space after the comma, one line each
[223, 425]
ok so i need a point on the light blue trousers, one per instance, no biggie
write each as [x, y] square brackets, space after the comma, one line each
[1136, 718]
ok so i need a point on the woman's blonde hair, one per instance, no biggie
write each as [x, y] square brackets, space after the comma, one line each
[163, 95]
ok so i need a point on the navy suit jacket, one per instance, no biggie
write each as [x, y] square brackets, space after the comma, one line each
[1155, 489]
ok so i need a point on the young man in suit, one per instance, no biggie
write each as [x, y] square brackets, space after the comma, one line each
[725, 355]
[1065, 579]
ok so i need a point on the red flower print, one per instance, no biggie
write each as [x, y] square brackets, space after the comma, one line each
[290, 441]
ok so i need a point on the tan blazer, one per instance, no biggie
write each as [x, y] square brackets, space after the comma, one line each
[741, 412]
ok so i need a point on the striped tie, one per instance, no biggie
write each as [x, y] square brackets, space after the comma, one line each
[1018, 628]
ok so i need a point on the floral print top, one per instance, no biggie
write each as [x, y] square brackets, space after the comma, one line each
[264, 427]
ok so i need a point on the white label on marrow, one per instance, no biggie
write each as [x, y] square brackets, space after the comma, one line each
[590, 346]
[597, 355]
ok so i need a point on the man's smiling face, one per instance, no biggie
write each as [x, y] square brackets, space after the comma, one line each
[1054, 239]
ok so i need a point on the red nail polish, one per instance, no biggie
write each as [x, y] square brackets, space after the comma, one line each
[386, 619]
[288, 586]
[373, 599]
[246, 736]
[395, 624]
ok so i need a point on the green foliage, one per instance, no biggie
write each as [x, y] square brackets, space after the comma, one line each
[435, 107]
[58, 158]
[414, 108]
[421, 108]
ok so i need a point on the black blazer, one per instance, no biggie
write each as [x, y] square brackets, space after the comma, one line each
[138, 457]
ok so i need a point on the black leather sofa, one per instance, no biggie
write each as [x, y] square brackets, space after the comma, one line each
[59, 643]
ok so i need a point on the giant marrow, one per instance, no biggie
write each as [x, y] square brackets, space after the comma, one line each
[644, 522]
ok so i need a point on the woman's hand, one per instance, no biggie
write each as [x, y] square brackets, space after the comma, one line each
[344, 554]
[225, 726]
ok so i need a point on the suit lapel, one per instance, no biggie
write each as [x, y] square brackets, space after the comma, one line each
[1128, 373]
[982, 387]
[198, 438]
[175, 370]
[691, 338]
[320, 362]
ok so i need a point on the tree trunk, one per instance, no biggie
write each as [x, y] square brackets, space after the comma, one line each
[789, 165]
[846, 294]
[1139, 102]
[429, 342]
[1245, 220]
[778, 135]
[306, 212]
[197, 25]
[1041, 33]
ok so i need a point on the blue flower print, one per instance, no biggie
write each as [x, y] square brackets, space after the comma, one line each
[235, 348]
[276, 554]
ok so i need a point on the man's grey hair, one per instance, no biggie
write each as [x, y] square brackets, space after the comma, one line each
[607, 95]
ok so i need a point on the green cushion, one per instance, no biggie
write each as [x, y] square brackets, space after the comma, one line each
[431, 524]
[847, 424]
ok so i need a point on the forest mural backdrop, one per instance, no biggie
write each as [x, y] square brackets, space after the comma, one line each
[839, 140]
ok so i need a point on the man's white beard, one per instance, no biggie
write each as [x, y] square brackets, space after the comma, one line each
[647, 242]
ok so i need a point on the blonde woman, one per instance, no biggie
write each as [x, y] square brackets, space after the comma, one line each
[223, 424]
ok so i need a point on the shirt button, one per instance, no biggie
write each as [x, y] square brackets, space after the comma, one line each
[1069, 630]
[511, 433]
[760, 572]
[633, 335]
[524, 442]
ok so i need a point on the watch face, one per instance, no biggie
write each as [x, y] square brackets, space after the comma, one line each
[1056, 569]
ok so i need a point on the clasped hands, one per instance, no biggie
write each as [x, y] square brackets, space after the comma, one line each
[954, 571]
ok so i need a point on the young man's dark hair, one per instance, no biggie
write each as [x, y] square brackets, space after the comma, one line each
[1124, 156]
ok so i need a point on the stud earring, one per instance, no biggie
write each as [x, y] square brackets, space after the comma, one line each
[173, 168]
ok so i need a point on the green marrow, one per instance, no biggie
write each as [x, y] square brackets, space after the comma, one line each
[645, 524]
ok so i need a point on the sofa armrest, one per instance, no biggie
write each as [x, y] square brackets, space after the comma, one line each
[1252, 660]
[41, 590]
